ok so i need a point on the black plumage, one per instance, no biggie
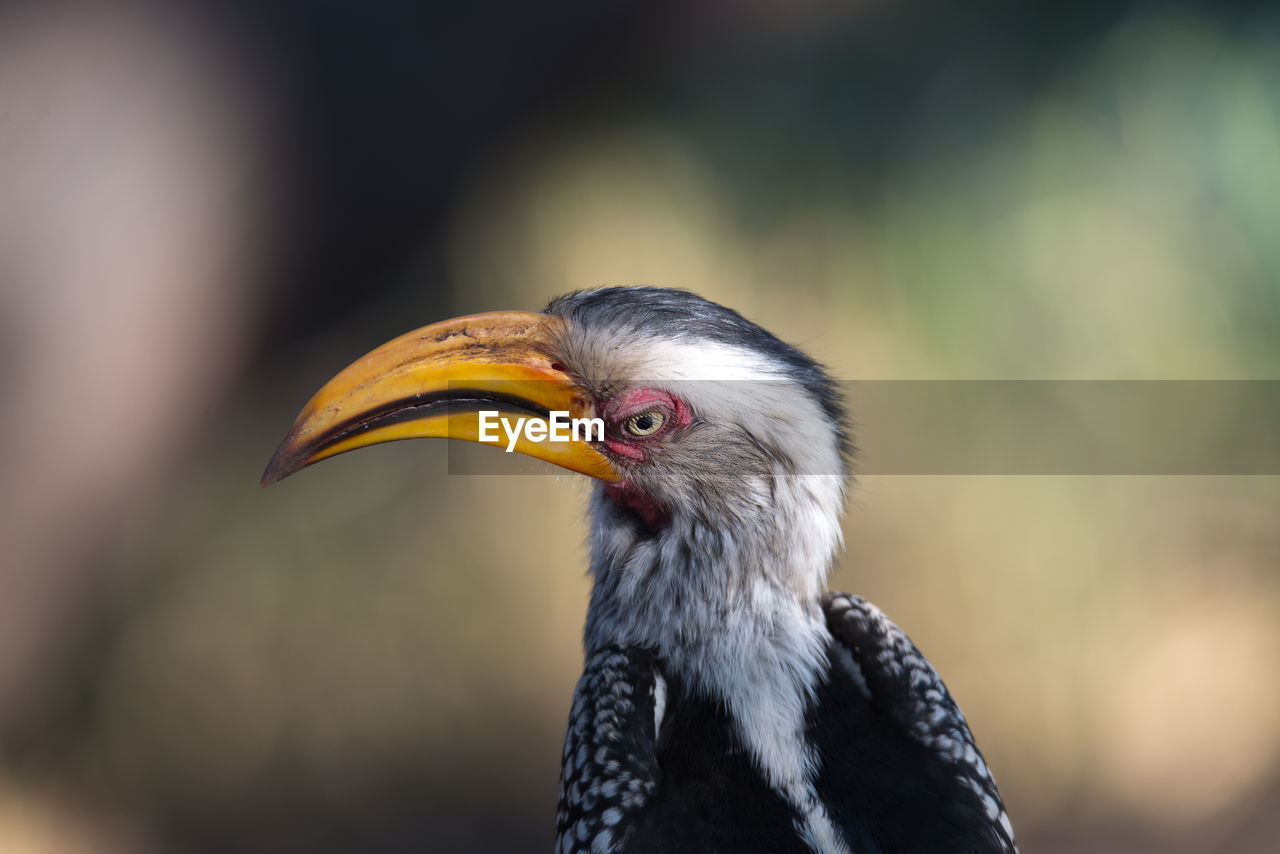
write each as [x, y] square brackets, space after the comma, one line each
[898, 768]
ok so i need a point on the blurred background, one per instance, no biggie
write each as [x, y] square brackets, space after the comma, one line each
[208, 208]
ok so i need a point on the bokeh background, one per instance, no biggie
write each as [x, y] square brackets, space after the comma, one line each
[206, 209]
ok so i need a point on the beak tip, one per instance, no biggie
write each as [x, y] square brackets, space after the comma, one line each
[284, 462]
[273, 474]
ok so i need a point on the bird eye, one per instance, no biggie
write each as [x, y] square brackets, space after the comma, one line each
[644, 423]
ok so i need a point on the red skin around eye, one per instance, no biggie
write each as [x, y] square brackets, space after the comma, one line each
[633, 402]
[616, 412]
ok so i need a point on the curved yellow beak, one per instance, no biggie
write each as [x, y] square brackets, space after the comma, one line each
[439, 381]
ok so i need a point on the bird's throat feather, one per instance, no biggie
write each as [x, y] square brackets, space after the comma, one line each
[631, 497]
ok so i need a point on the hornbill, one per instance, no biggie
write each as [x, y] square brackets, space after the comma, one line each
[727, 703]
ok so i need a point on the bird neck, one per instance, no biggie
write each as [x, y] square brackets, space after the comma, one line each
[715, 598]
[732, 612]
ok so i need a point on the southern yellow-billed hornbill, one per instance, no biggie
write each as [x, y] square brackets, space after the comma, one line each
[727, 703]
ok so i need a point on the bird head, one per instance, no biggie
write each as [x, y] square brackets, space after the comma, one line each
[714, 430]
[700, 407]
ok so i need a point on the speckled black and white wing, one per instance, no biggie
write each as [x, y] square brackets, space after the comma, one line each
[610, 767]
[902, 683]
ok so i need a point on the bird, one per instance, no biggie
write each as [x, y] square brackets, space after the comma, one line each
[728, 702]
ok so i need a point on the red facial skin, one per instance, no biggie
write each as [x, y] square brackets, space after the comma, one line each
[628, 495]
[676, 415]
